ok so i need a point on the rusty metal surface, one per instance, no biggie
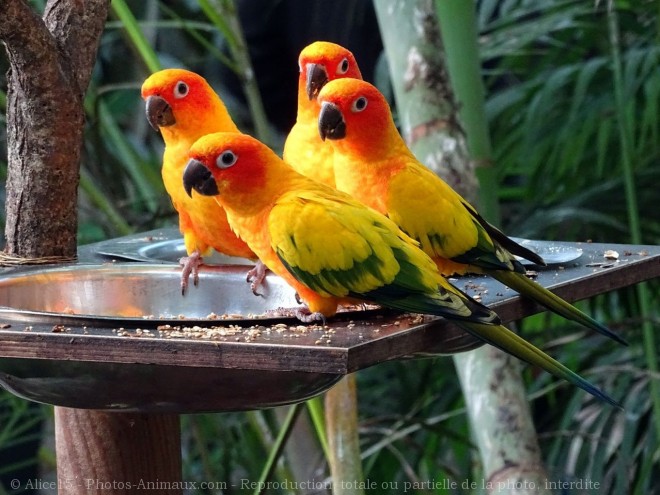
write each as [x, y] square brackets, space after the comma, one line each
[123, 361]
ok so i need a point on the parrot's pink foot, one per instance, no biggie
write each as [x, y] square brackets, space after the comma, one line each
[256, 277]
[306, 316]
[190, 266]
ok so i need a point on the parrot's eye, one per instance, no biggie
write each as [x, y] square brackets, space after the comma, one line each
[180, 90]
[359, 104]
[226, 159]
[342, 68]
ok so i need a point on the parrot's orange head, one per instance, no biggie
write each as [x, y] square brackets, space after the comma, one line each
[355, 111]
[175, 96]
[227, 162]
[323, 61]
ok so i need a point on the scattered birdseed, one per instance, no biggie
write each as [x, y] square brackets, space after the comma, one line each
[610, 254]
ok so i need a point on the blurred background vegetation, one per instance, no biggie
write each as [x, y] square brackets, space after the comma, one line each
[573, 106]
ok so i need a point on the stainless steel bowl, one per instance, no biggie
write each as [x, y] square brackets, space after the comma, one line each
[135, 292]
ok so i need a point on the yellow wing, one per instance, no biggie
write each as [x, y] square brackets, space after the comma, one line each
[336, 246]
[447, 227]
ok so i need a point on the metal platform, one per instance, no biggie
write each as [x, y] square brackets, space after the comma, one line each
[70, 331]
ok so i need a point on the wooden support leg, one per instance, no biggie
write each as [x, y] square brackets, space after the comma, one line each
[118, 453]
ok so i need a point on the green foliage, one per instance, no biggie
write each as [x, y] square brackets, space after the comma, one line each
[21, 427]
[555, 135]
[557, 130]
[554, 123]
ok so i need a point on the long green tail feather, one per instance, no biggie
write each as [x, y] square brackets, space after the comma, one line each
[520, 283]
[511, 343]
[482, 322]
[451, 305]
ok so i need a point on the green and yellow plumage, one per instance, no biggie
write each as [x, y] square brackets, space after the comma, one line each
[373, 164]
[332, 249]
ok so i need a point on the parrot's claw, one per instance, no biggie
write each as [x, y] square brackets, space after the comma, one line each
[190, 266]
[256, 277]
[306, 316]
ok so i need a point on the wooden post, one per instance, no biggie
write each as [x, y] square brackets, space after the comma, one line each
[119, 453]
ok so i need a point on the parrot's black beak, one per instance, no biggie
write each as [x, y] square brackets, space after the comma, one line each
[317, 77]
[196, 176]
[331, 122]
[159, 112]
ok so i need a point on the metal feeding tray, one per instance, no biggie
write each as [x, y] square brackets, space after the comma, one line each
[114, 335]
[131, 294]
[122, 336]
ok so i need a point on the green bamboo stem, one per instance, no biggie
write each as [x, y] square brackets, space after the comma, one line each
[135, 34]
[626, 139]
[501, 418]
[143, 178]
[316, 413]
[277, 448]
[102, 203]
[497, 436]
[425, 103]
[491, 380]
[193, 29]
[342, 427]
[223, 14]
[459, 35]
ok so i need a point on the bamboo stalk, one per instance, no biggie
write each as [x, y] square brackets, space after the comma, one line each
[224, 15]
[491, 380]
[508, 444]
[101, 202]
[138, 40]
[626, 139]
[425, 104]
[277, 447]
[459, 35]
[501, 422]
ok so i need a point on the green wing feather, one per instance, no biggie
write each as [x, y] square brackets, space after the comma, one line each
[446, 226]
[338, 247]
[451, 228]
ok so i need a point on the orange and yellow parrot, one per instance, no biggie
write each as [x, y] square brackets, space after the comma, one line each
[331, 248]
[183, 107]
[304, 150]
[373, 164]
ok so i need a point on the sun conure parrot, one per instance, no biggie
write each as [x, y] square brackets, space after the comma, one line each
[373, 164]
[304, 150]
[183, 107]
[332, 249]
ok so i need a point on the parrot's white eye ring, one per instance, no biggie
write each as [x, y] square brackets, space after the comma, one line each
[226, 159]
[180, 90]
[359, 104]
[342, 67]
